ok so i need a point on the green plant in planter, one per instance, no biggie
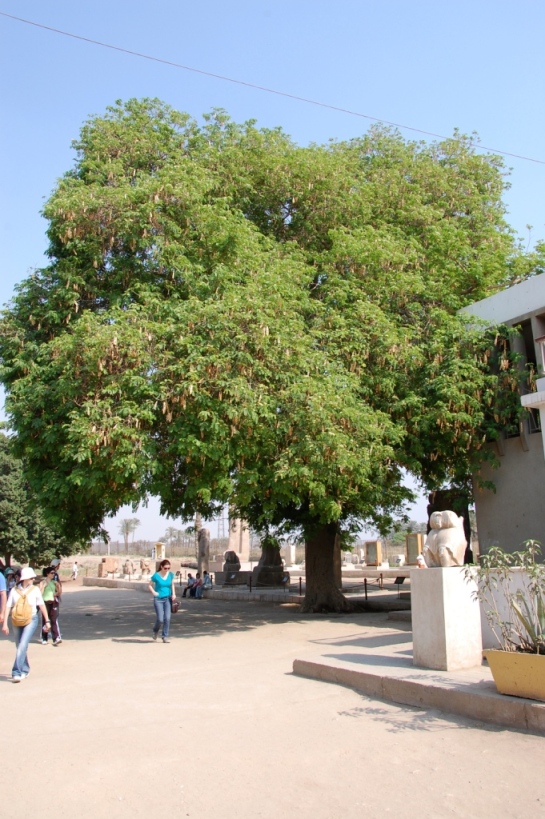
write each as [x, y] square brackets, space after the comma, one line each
[520, 625]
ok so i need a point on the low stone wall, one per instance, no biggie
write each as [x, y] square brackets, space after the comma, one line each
[114, 583]
[271, 596]
[402, 571]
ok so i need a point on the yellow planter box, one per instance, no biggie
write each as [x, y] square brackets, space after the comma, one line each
[518, 674]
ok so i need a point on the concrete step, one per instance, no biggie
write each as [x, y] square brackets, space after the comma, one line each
[403, 616]
[459, 693]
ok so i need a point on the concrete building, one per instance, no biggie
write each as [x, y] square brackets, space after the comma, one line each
[516, 511]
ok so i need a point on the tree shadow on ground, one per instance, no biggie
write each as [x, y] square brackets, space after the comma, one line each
[128, 616]
[366, 641]
[402, 719]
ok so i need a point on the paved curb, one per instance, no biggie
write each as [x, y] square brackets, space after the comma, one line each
[475, 701]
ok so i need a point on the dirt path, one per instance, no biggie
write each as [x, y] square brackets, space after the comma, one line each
[112, 724]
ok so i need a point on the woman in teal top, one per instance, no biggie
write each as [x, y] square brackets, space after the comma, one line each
[162, 587]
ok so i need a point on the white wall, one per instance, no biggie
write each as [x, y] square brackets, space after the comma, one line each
[512, 305]
[516, 511]
[517, 577]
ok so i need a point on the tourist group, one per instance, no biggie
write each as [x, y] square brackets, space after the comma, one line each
[24, 596]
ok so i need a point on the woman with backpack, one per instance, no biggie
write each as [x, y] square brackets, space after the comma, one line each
[24, 601]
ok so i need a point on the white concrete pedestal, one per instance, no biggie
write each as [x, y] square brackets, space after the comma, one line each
[446, 620]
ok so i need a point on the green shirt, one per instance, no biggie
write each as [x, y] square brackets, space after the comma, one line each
[49, 591]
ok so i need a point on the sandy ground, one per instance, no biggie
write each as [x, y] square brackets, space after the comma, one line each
[112, 724]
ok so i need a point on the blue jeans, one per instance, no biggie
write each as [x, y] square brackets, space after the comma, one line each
[23, 635]
[163, 613]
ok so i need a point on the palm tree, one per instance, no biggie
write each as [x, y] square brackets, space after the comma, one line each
[135, 524]
[128, 526]
[171, 535]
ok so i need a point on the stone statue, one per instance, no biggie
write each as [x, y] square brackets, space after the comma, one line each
[108, 566]
[270, 569]
[239, 537]
[446, 542]
[145, 565]
[232, 563]
[128, 567]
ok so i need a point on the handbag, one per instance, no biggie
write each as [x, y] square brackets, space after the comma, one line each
[174, 605]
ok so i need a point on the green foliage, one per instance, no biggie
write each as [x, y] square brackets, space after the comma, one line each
[228, 317]
[399, 530]
[14, 536]
[24, 534]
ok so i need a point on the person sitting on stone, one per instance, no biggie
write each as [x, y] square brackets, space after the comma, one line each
[206, 583]
[190, 584]
[196, 586]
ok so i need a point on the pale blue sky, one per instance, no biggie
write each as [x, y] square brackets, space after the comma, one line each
[478, 66]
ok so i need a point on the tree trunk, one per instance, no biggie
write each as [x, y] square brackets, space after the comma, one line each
[337, 562]
[198, 527]
[204, 551]
[322, 593]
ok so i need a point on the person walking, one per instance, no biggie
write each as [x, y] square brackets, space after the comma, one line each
[24, 601]
[55, 564]
[10, 579]
[3, 595]
[161, 586]
[51, 591]
[75, 571]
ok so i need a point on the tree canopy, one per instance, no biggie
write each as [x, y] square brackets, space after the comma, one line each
[25, 536]
[230, 317]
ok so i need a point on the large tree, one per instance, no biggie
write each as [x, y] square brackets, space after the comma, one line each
[25, 536]
[228, 317]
